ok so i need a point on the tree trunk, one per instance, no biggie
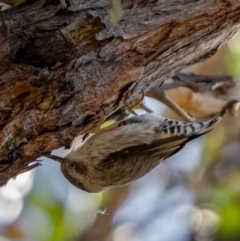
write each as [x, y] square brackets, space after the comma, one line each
[65, 69]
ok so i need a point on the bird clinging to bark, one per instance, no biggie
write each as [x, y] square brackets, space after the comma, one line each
[128, 150]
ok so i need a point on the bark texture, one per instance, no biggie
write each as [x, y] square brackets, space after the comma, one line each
[65, 69]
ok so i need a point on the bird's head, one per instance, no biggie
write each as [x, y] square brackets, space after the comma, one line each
[75, 172]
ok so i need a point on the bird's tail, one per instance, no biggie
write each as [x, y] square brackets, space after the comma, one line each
[207, 126]
[196, 129]
[179, 128]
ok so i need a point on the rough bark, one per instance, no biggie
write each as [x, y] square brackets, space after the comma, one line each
[64, 70]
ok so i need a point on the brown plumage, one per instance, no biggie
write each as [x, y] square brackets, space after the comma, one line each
[199, 96]
[121, 155]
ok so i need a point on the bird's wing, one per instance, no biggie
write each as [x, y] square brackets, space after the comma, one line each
[138, 157]
[134, 162]
[158, 149]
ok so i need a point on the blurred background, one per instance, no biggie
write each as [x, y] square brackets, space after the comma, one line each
[194, 195]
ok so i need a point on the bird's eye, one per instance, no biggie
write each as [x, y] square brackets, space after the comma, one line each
[72, 165]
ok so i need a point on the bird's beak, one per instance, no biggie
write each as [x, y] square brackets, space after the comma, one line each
[56, 158]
